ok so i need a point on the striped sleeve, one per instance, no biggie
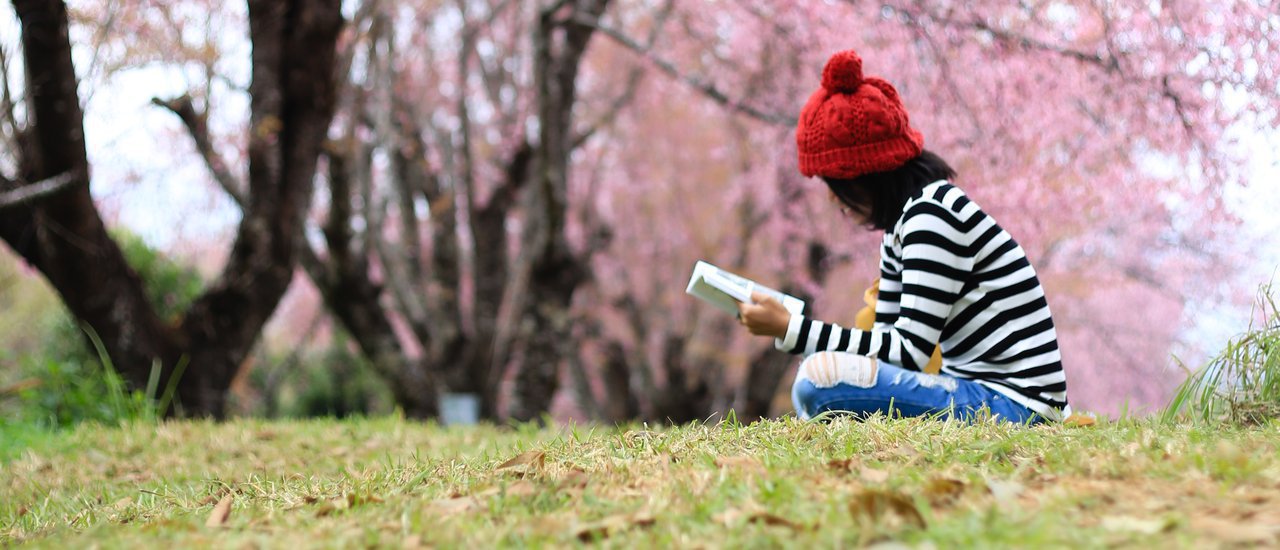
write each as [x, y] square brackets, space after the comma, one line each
[934, 266]
[890, 288]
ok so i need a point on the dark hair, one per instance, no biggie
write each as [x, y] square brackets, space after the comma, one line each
[880, 196]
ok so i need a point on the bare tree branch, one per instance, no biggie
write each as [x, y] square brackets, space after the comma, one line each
[465, 50]
[633, 79]
[1167, 91]
[6, 98]
[493, 79]
[706, 88]
[354, 299]
[26, 194]
[102, 31]
[1110, 62]
[198, 127]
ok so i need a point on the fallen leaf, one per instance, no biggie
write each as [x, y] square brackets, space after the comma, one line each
[1137, 525]
[942, 491]
[453, 506]
[872, 506]
[325, 509]
[137, 477]
[905, 451]
[345, 502]
[412, 542]
[613, 525]
[521, 488]
[1006, 492]
[739, 463]
[1080, 419]
[843, 464]
[221, 512]
[354, 499]
[732, 517]
[575, 479]
[776, 520]
[528, 461]
[1235, 532]
[872, 475]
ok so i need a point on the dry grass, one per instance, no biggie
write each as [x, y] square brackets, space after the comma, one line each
[394, 483]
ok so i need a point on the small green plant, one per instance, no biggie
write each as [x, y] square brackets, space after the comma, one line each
[1241, 384]
[137, 404]
[67, 378]
[64, 393]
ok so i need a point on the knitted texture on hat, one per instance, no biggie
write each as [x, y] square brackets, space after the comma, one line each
[854, 125]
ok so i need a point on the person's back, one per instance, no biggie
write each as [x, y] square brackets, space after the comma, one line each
[998, 330]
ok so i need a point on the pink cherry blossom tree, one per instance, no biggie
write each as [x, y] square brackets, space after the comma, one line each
[1095, 133]
[513, 192]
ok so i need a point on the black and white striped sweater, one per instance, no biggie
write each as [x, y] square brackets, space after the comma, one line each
[950, 274]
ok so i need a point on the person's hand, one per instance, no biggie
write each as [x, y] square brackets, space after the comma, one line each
[766, 317]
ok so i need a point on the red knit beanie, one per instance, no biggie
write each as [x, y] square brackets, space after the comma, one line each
[853, 125]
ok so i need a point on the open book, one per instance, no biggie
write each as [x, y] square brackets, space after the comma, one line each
[724, 290]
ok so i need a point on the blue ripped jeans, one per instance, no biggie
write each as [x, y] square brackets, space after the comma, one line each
[842, 382]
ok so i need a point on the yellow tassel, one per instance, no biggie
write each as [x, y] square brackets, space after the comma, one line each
[866, 319]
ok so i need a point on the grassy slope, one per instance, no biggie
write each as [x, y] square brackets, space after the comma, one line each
[390, 482]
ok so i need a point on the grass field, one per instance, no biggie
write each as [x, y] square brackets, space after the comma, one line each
[394, 483]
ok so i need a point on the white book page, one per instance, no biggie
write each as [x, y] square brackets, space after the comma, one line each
[725, 289]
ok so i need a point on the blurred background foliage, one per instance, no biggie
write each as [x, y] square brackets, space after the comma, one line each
[51, 378]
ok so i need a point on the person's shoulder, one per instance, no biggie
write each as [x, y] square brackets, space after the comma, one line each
[939, 195]
[943, 198]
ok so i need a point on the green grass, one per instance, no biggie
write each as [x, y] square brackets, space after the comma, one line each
[1240, 385]
[389, 482]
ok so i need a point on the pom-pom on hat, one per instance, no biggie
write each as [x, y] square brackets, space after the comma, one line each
[854, 125]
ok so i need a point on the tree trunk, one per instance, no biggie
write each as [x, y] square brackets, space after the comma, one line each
[64, 237]
[475, 373]
[292, 101]
[620, 403]
[553, 271]
[548, 342]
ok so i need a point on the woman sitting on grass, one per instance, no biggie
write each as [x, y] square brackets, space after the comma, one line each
[949, 276]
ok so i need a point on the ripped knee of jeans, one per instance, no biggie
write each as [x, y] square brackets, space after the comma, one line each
[828, 368]
[926, 380]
